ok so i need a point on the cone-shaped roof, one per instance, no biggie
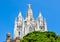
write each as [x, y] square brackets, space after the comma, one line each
[40, 14]
[19, 14]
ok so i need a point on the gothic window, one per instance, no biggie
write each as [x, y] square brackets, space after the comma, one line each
[19, 28]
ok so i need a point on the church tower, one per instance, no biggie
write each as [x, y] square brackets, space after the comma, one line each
[18, 29]
[41, 24]
[40, 19]
[45, 24]
[29, 13]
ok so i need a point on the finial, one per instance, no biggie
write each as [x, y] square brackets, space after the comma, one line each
[40, 14]
[29, 5]
[19, 13]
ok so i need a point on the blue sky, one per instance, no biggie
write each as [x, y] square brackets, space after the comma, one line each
[9, 10]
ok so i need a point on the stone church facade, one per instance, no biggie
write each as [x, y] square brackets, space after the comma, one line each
[23, 26]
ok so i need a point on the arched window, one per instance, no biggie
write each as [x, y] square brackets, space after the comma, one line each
[19, 28]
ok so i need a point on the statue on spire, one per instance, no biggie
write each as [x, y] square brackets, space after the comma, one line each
[29, 5]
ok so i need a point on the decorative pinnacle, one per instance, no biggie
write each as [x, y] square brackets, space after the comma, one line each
[40, 14]
[29, 5]
[19, 13]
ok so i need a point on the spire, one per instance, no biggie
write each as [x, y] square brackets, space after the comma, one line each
[29, 5]
[44, 21]
[29, 12]
[20, 18]
[19, 14]
[45, 24]
[29, 9]
[40, 14]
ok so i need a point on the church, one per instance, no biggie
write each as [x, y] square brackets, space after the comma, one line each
[23, 26]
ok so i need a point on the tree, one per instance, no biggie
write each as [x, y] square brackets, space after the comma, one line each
[38, 36]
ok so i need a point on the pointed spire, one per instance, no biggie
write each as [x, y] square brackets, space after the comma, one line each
[19, 14]
[45, 24]
[45, 21]
[40, 14]
[19, 17]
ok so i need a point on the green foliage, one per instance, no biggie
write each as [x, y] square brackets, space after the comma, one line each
[38, 36]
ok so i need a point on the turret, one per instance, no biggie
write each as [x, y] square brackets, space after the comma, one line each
[40, 19]
[45, 25]
[20, 17]
[20, 25]
[29, 11]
